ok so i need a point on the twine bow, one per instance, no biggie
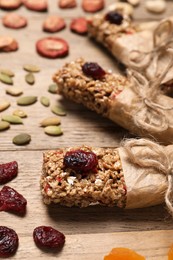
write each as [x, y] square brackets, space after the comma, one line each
[152, 155]
[150, 115]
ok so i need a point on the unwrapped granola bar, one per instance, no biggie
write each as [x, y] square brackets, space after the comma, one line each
[132, 102]
[134, 175]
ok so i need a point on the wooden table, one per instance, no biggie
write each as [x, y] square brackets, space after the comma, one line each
[90, 232]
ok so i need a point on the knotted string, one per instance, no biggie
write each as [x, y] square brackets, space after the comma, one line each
[150, 114]
[152, 155]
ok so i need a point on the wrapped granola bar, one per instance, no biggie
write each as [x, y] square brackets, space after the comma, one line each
[135, 103]
[138, 174]
[127, 38]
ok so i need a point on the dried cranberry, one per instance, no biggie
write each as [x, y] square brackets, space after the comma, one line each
[92, 69]
[8, 241]
[8, 171]
[114, 17]
[80, 160]
[11, 200]
[49, 237]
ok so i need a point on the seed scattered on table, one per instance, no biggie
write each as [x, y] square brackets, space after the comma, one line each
[4, 104]
[45, 101]
[14, 91]
[4, 125]
[58, 110]
[4, 78]
[157, 6]
[7, 72]
[53, 88]
[22, 139]
[12, 119]
[53, 130]
[29, 78]
[26, 100]
[31, 68]
[50, 121]
[20, 113]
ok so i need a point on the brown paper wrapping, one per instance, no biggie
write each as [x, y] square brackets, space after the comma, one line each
[125, 106]
[145, 186]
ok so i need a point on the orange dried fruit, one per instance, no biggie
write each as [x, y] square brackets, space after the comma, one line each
[121, 253]
[170, 253]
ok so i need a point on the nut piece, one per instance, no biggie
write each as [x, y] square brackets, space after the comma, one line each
[14, 21]
[155, 6]
[36, 5]
[92, 5]
[67, 3]
[10, 4]
[52, 47]
[123, 8]
[53, 24]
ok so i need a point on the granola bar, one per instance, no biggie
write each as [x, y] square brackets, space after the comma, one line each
[119, 99]
[114, 181]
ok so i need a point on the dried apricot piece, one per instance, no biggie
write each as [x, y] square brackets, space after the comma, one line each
[67, 3]
[170, 253]
[79, 25]
[8, 44]
[93, 5]
[8, 241]
[46, 236]
[11, 200]
[10, 4]
[121, 253]
[14, 21]
[8, 171]
[52, 47]
[53, 24]
[36, 5]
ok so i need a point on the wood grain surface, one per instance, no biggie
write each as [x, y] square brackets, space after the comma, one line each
[90, 232]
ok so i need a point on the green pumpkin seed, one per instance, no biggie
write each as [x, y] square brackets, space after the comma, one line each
[12, 119]
[7, 72]
[6, 79]
[53, 88]
[13, 91]
[45, 101]
[20, 113]
[4, 105]
[4, 125]
[22, 139]
[53, 130]
[58, 110]
[50, 121]
[30, 79]
[26, 100]
[31, 68]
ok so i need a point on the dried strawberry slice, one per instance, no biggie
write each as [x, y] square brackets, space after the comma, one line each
[53, 24]
[52, 47]
[79, 25]
[10, 4]
[36, 5]
[92, 5]
[67, 3]
[8, 171]
[46, 236]
[11, 200]
[8, 241]
[14, 21]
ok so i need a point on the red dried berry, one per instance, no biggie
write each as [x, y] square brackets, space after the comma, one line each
[45, 236]
[92, 5]
[14, 21]
[8, 241]
[8, 171]
[80, 161]
[53, 24]
[11, 200]
[114, 17]
[52, 47]
[79, 25]
[92, 69]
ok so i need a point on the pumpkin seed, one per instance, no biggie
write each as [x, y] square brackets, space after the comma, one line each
[20, 113]
[26, 100]
[50, 121]
[53, 130]
[12, 119]
[30, 79]
[53, 88]
[22, 139]
[7, 72]
[58, 110]
[31, 68]
[157, 6]
[14, 91]
[6, 79]
[4, 104]
[4, 125]
[45, 101]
